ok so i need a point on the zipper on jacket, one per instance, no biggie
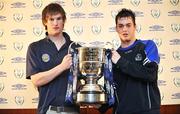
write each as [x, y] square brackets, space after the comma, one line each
[148, 93]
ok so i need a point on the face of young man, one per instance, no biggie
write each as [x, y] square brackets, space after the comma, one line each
[126, 30]
[55, 24]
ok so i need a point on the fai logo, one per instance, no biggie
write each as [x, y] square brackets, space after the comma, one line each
[17, 17]
[78, 30]
[19, 73]
[114, 13]
[157, 41]
[177, 82]
[77, 3]
[37, 3]
[96, 29]
[175, 27]
[1, 5]
[155, 13]
[135, 2]
[1, 60]
[19, 100]
[1, 32]
[37, 31]
[95, 3]
[18, 46]
[160, 69]
[115, 43]
[176, 55]
[1, 87]
[138, 28]
[174, 2]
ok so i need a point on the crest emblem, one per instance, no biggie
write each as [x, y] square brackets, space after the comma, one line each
[18, 17]
[135, 2]
[19, 100]
[1, 32]
[95, 3]
[138, 28]
[1, 87]
[1, 5]
[157, 41]
[177, 82]
[138, 57]
[174, 2]
[175, 27]
[96, 29]
[18, 73]
[18, 46]
[176, 55]
[1, 60]
[78, 30]
[45, 57]
[77, 3]
[114, 13]
[37, 3]
[155, 13]
[160, 69]
[37, 31]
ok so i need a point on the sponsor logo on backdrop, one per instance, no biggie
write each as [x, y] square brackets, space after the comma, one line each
[18, 32]
[18, 46]
[162, 56]
[155, 1]
[3, 47]
[77, 3]
[174, 13]
[162, 96]
[1, 60]
[157, 41]
[96, 15]
[37, 4]
[19, 100]
[3, 101]
[175, 42]
[176, 55]
[78, 30]
[175, 69]
[115, 43]
[112, 29]
[17, 17]
[176, 82]
[1, 32]
[61, 2]
[37, 31]
[95, 3]
[115, 2]
[1, 87]
[3, 74]
[139, 14]
[135, 2]
[174, 2]
[78, 15]
[19, 87]
[138, 28]
[160, 69]
[1, 5]
[19, 73]
[97, 43]
[36, 17]
[156, 28]
[3, 18]
[176, 96]
[18, 5]
[155, 13]
[18, 60]
[175, 27]
[96, 29]
[162, 83]
[114, 13]
[35, 100]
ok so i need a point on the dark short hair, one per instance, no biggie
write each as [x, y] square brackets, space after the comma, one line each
[126, 13]
[52, 9]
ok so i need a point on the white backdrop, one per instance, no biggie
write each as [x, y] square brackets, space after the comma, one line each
[87, 21]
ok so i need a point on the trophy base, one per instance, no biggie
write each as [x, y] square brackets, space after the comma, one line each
[91, 98]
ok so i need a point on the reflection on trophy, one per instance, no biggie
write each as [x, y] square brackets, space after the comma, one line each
[89, 64]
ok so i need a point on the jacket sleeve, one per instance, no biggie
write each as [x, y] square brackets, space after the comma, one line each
[146, 70]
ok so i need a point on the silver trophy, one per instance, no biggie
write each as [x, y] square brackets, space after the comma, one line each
[88, 67]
